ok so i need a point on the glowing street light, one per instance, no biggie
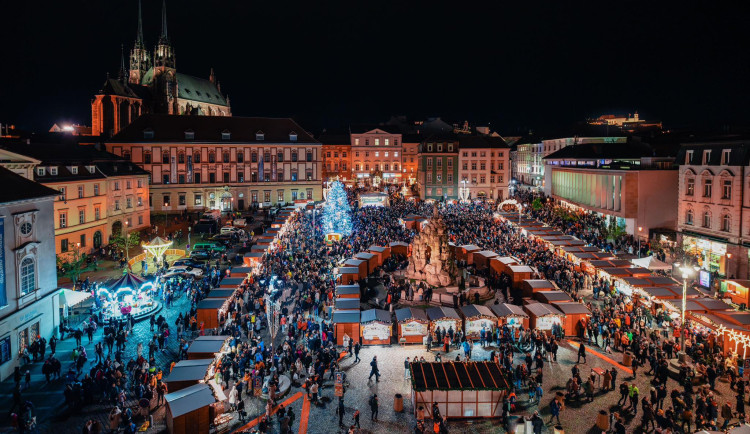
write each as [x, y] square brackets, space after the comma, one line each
[686, 272]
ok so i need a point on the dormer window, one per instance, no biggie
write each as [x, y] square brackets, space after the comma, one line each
[40, 171]
[706, 157]
[259, 135]
[53, 171]
[293, 136]
[226, 135]
[74, 170]
[148, 134]
[92, 169]
[189, 135]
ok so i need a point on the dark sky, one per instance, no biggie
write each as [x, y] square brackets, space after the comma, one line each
[518, 65]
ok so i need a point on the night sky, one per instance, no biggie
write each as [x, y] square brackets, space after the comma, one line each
[328, 64]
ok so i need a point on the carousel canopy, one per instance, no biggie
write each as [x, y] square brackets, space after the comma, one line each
[128, 280]
[72, 298]
[651, 263]
[157, 242]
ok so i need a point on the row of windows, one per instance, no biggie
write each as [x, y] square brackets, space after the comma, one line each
[482, 166]
[725, 155]
[483, 179]
[63, 215]
[81, 190]
[386, 142]
[482, 154]
[198, 197]
[376, 153]
[439, 163]
[439, 178]
[343, 154]
[335, 166]
[225, 157]
[385, 167]
[725, 222]
[726, 187]
[439, 191]
[226, 177]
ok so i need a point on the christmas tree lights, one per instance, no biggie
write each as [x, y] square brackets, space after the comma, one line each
[337, 218]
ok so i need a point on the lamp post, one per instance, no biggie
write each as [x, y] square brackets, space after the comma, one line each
[166, 217]
[125, 236]
[686, 272]
[640, 229]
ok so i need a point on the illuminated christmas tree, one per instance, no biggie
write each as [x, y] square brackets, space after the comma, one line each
[337, 218]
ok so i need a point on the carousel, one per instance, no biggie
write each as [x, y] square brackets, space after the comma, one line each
[156, 248]
[128, 295]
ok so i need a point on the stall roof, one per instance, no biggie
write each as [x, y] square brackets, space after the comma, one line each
[739, 282]
[241, 270]
[487, 253]
[221, 293]
[375, 315]
[375, 248]
[616, 271]
[550, 296]
[186, 370]
[348, 270]
[189, 399]
[540, 283]
[723, 321]
[662, 280]
[591, 249]
[741, 317]
[207, 344]
[439, 312]
[658, 291]
[471, 310]
[507, 260]
[347, 289]
[232, 281]
[408, 313]
[637, 281]
[584, 255]
[542, 309]
[211, 303]
[521, 269]
[354, 261]
[506, 309]
[572, 308]
[364, 255]
[398, 243]
[457, 376]
[713, 304]
[347, 303]
[470, 247]
[639, 270]
[345, 316]
[621, 263]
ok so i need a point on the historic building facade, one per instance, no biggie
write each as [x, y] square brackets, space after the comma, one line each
[377, 153]
[337, 157]
[153, 85]
[200, 163]
[484, 167]
[29, 297]
[438, 168]
[410, 158]
[714, 198]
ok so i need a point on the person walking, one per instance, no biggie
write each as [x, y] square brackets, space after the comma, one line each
[356, 417]
[356, 352]
[555, 408]
[581, 353]
[406, 369]
[374, 370]
[374, 407]
[341, 410]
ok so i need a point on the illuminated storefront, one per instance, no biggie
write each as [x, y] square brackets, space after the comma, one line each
[711, 255]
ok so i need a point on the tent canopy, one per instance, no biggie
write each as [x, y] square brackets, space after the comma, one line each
[651, 263]
[72, 298]
[157, 242]
[128, 280]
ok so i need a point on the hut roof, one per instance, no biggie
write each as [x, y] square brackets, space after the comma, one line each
[407, 313]
[457, 376]
[471, 310]
[189, 399]
[375, 315]
[507, 309]
[440, 312]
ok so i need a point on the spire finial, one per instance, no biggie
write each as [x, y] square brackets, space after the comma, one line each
[139, 36]
[164, 20]
[212, 76]
[123, 72]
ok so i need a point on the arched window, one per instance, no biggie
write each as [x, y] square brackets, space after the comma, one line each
[27, 275]
[689, 217]
[706, 219]
[726, 223]
[181, 158]
[689, 186]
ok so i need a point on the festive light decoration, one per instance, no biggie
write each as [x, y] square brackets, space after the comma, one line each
[337, 216]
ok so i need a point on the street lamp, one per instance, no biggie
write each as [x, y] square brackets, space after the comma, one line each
[166, 216]
[686, 272]
[127, 253]
[640, 229]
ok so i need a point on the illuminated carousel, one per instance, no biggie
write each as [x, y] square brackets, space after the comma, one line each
[128, 295]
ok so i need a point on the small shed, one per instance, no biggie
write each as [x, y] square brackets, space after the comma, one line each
[345, 326]
[501, 264]
[376, 327]
[346, 304]
[254, 257]
[383, 253]
[413, 325]
[188, 410]
[576, 317]
[530, 286]
[399, 248]
[460, 389]
[510, 315]
[465, 253]
[240, 271]
[361, 264]
[231, 282]
[444, 318]
[186, 373]
[482, 258]
[519, 273]
[553, 296]
[347, 275]
[208, 312]
[347, 291]
[206, 347]
[543, 316]
[372, 261]
[476, 317]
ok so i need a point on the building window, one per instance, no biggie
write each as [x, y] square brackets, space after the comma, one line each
[196, 178]
[706, 219]
[343, 166]
[40, 171]
[280, 196]
[309, 194]
[165, 178]
[725, 223]
[725, 157]
[64, 245]
[688, 157]
[429, 177]
[356, 167]
[53, 171]
[266, 196]
[117, 204]
[240, 157]
[727, 189]
[439, 163]
[180, 179]
[309, 175]
[140, 220]
[165, 158]
[465, 166]
[689, 217]
[198, 201]
[473, 165]
[259, 136]
[707, 187]
[690, 187]
[450, 147]
[254, 177]
[80, 192]
[97, 213]
[81, 216]
[181, 158]
[439, 178]
[309, 156]
[28, 275]
[140, 201]
[63, 220]
[367, 167]
[167, 200]
[280, 157]
[181, 200]
[280, 176]
[140, 183]
[225, 157]
[211, 157]
[482, 179]
[254, 196]
[240, 177]
[128, 202]
[429, 163]
[482, 166]
[147, 158]
[197, 157]
[117, 185]
[706, 156]
[226, 177]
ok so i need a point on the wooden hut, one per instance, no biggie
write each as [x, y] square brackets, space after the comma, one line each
[383, 253]
[240, 271]
[543, 316]
[399, 248]
[413, 325]
[519, 273]
[208, 311]
[510, 315]
[465, 253]
[188, 410]
[347, 275]
[460, 389]
[372, 261]
[737, 290]
[501, 264]
[482, 258]
[347, 291]
[186, 373]
[552, 296]
[222, 293]
[254, 257]
[576, 317]
[361, 265]
[476, 317]
[376, 327]
[231, 282]
[530, 286]
[206, 347]
[345, 326]
[346, 304]
[442, 317]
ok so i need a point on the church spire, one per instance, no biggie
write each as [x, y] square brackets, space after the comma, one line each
[123, 72]
[164, 39]
[139, 36]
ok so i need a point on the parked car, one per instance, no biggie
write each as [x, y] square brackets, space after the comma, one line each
[177, 270]
[202, 255]
[188, 262]
[209, 245]
[229, 229]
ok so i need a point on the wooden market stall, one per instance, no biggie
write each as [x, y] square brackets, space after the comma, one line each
[240, 271]
[553, 296]
[476, 317]
[465, 253]
[231, 282]
[206, 347]
[443, 318]
[345, 326]
[399, 248]
[347, 291]
[639, 272]
[383, 253]
[346, 304]
[543, 316]
[347, 275]
[372, 261]
[222, 293]
[502, 264]
[361, 265]
[519, 273]
[376, 327]
[577, 315]
[186, 373]
[530, 286]
[724, 331]
[482, 258]
[510, 315]
[254, 257]
[737, 290]
[460, 389]
[208, 312]
[188, 410]
[713, 305]
[413, 325]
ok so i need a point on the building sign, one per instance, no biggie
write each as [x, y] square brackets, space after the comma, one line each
[189, 169]
[5, 354]
[413, 328]
[704, 278]
[3, 296]
[376, 331]
[474, 327]
[546, 322]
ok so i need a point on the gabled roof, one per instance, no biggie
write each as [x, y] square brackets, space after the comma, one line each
[481, 142]
[189, 399]
[506, 309]
[440, 312]
[407, 313]
[472, 310]
[199, 89]
[15, 187]
[364, 128]
[375, 315]
[171, 128]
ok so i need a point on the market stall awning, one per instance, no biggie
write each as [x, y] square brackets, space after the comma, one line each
[221, 293]
[457, 376]
[651, 263]
[345, 317]
[69, 298]
[408, 313]
[503, 310]
[128, 280]
[472, 310]
[572, 308]
[207, 344]
[541, 309]
[347, 289]
[550, 296]
[375, 315]
[189, 399]
[713, 304]
[187, 370]
[540, 284]
[440, 312]
[211, 303]
[346, 304]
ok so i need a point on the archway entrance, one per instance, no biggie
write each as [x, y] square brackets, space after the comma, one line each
[482, 195]
[116, 228]
[97, 239]
[226, 201]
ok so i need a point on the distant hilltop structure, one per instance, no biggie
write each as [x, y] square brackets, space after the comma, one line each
[626, 123]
